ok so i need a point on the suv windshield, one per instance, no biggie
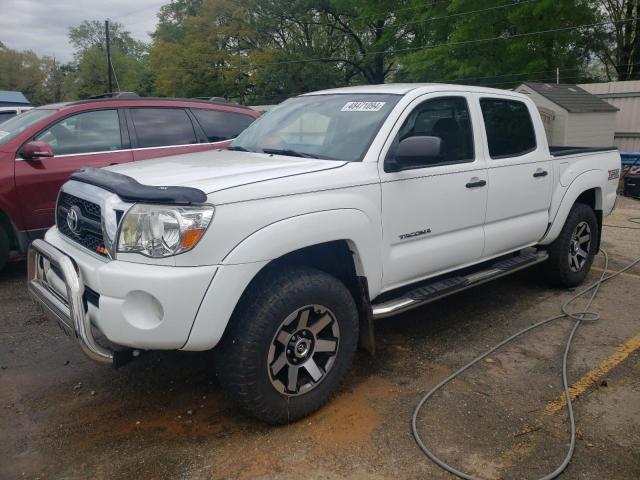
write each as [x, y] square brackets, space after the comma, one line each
[17, 125]
[333, 127]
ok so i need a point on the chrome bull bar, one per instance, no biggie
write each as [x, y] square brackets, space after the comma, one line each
[50, 272]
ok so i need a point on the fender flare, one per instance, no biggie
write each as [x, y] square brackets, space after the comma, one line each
[241, 265]
[591, 179]
[294, 233]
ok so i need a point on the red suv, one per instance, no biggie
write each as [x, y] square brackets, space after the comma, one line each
[40, 148]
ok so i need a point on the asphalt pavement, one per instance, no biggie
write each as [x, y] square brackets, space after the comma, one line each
[164, 415]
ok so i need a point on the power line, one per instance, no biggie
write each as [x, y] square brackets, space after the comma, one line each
[483, 84]
[418, 48]
[148, 7]
[461, 43]
[471, 12]
[444, 17]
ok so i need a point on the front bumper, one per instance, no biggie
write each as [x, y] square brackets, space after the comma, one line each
[134, 305]
[68, 310]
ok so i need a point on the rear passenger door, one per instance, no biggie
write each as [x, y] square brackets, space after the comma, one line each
[160, 131]
[520, 174]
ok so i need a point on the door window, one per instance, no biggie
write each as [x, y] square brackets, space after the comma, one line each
[446, 118]
[159, 127]
[509, 127]
[219, 125]
[95, 131]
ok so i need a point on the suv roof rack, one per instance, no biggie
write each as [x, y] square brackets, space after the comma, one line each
[123, 95]
[106, 97]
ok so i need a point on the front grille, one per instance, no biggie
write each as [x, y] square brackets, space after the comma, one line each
[88, 222]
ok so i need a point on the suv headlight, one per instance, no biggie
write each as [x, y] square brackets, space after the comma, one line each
[162, 231]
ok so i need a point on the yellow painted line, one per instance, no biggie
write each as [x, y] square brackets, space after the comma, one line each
[591, 377]
[625, 274]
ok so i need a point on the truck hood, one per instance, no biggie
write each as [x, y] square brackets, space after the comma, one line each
[216, 170]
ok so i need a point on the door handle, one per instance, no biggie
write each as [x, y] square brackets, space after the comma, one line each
[474, 183]
[540, 173]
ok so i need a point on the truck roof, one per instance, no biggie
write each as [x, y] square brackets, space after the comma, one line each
[404, 88]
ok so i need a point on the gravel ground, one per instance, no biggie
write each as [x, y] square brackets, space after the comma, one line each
[164, 416]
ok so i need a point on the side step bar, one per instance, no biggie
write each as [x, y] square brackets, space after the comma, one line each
[443, 288]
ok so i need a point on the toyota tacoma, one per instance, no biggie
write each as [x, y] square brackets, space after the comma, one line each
[334, 209]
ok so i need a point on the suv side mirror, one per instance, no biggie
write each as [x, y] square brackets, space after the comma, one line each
[34, 150]
[415, 152]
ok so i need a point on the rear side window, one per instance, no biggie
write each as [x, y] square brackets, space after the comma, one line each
[219, 125]
[159, 127]
[87, 132]
[509, 127]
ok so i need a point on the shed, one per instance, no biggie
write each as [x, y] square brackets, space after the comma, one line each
[571, 115]
[626, 97]
[10, 98]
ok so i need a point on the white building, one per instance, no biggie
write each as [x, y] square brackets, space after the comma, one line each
[571, 115]
[626, 97]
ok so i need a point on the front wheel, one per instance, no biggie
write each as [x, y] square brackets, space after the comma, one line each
[290, 344]
[572, 253]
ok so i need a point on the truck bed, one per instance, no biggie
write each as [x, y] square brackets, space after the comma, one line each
[563, 151]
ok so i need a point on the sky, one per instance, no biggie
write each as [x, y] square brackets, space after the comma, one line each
[43, 25]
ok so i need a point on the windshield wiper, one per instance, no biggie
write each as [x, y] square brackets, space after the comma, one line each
[238, 148]
[286, 151]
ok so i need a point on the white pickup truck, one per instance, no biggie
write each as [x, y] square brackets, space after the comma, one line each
[332, 210]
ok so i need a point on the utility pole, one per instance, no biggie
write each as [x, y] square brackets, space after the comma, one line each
[106, 29]
[557, 76]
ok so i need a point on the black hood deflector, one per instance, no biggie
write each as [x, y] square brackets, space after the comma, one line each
[130, 190]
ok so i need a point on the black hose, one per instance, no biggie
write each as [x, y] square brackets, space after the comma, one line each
[579, 317]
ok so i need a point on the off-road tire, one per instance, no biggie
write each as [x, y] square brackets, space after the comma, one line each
[4, 248]
[557, 269]
[242, 355]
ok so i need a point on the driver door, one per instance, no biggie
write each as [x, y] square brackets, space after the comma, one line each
[87, 139]
[433, 213]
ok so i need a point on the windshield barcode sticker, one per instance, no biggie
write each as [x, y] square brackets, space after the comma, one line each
[362, 106]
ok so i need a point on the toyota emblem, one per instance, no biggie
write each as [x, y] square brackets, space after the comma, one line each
[73, 219]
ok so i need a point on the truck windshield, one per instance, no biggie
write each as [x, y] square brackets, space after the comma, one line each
[17, 125]
[332, 127]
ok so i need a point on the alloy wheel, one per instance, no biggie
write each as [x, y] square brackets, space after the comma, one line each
[303, 350]
[579, 246]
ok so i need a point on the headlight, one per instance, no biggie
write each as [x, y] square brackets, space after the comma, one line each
[161, 231]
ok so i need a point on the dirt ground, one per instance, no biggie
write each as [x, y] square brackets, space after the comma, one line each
[164, 416]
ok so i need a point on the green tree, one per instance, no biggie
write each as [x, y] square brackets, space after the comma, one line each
[22, 71]
[129, 60]
[619, 35]
[496, 42]
[265, 50]
[41, 79]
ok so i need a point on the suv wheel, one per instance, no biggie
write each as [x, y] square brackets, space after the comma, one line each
[572, 253]
[290, 344]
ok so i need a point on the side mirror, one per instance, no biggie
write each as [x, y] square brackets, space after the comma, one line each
[34, 150]
[415, 152]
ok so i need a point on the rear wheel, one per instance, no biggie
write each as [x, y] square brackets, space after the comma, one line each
[290, 344]
[572, 253]
[4, 247]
